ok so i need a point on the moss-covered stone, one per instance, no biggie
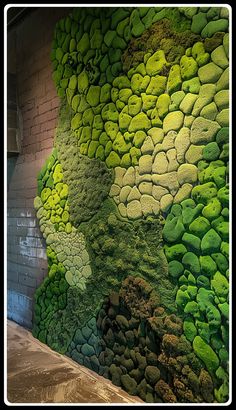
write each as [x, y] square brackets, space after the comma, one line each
[175, 252]
[191, 241]
[139, 122]
[155, 63]
[214, 26]
[156, 86]
[129, 384]
[175, 269]
[211, 242]
[191, 263]
[173, 121]
[188, 67]
[206, 354]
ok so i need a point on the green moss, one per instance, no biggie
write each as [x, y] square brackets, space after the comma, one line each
[220, 285]
[190, 213]
[199, 226]
[212, 210]
[208, 265]
[89, 65]
[46, 192]
[221, 261]
[156, 63]
[191, 241]
[203, 193]
[173, 229]
[191, 308]
[182, 298]
[192, 86]
[113, 160]
[139, 122]
[191, 263]
[206, 354]
[223, 195]
[156, 86]
[175, 269]
[188, 67]
[211, 242]
[211, 151]
[175, 252]
[189, 328]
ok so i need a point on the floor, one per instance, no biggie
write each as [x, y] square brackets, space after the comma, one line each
[36, 374]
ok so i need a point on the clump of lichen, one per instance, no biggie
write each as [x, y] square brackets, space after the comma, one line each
[145, 351]
[172, 42]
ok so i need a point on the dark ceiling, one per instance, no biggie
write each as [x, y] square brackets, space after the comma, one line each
[16, 14]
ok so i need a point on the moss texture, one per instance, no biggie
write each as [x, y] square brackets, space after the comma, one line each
[133, 202]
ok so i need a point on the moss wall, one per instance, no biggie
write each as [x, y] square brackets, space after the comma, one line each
[134, 200]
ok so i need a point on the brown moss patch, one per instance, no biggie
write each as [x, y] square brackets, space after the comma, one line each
[159, 36]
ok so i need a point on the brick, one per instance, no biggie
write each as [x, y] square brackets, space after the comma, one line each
[17, 230]
[45, 135]
[43, 99]
[46, 144]
[46, 126]
[12, 266]
[12, 241]
[27, 280]
[31, 241]
[20, 160]
[32, 148]
[50, 86]
[35, 129]
[26, 251]
[27, 124]
[30, 271]
[16, 202]
[28, 115]
[29, 105]
[17, 287]
[13, 257]
[43, 73]
[31, 192]
[42, 155]
[45, 107]
[31, 261]
[31, 222]
[30, 291]
[29, 158]
[35, 232]
[21, 212]
[40, 279]
[12, 275]
[55, 102]
[11, 221]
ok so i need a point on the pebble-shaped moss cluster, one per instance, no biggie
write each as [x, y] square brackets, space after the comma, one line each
[141, 348]
[62, 238]
[167, 168]
[207, 20]
[196, 233]
[111, 110]
[89, 179]
[50, 297]
[86, 346]
[156, 111]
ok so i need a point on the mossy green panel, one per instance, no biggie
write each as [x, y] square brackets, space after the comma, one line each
[133, 202]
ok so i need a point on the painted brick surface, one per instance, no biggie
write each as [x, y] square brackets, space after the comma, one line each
[38, 105]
